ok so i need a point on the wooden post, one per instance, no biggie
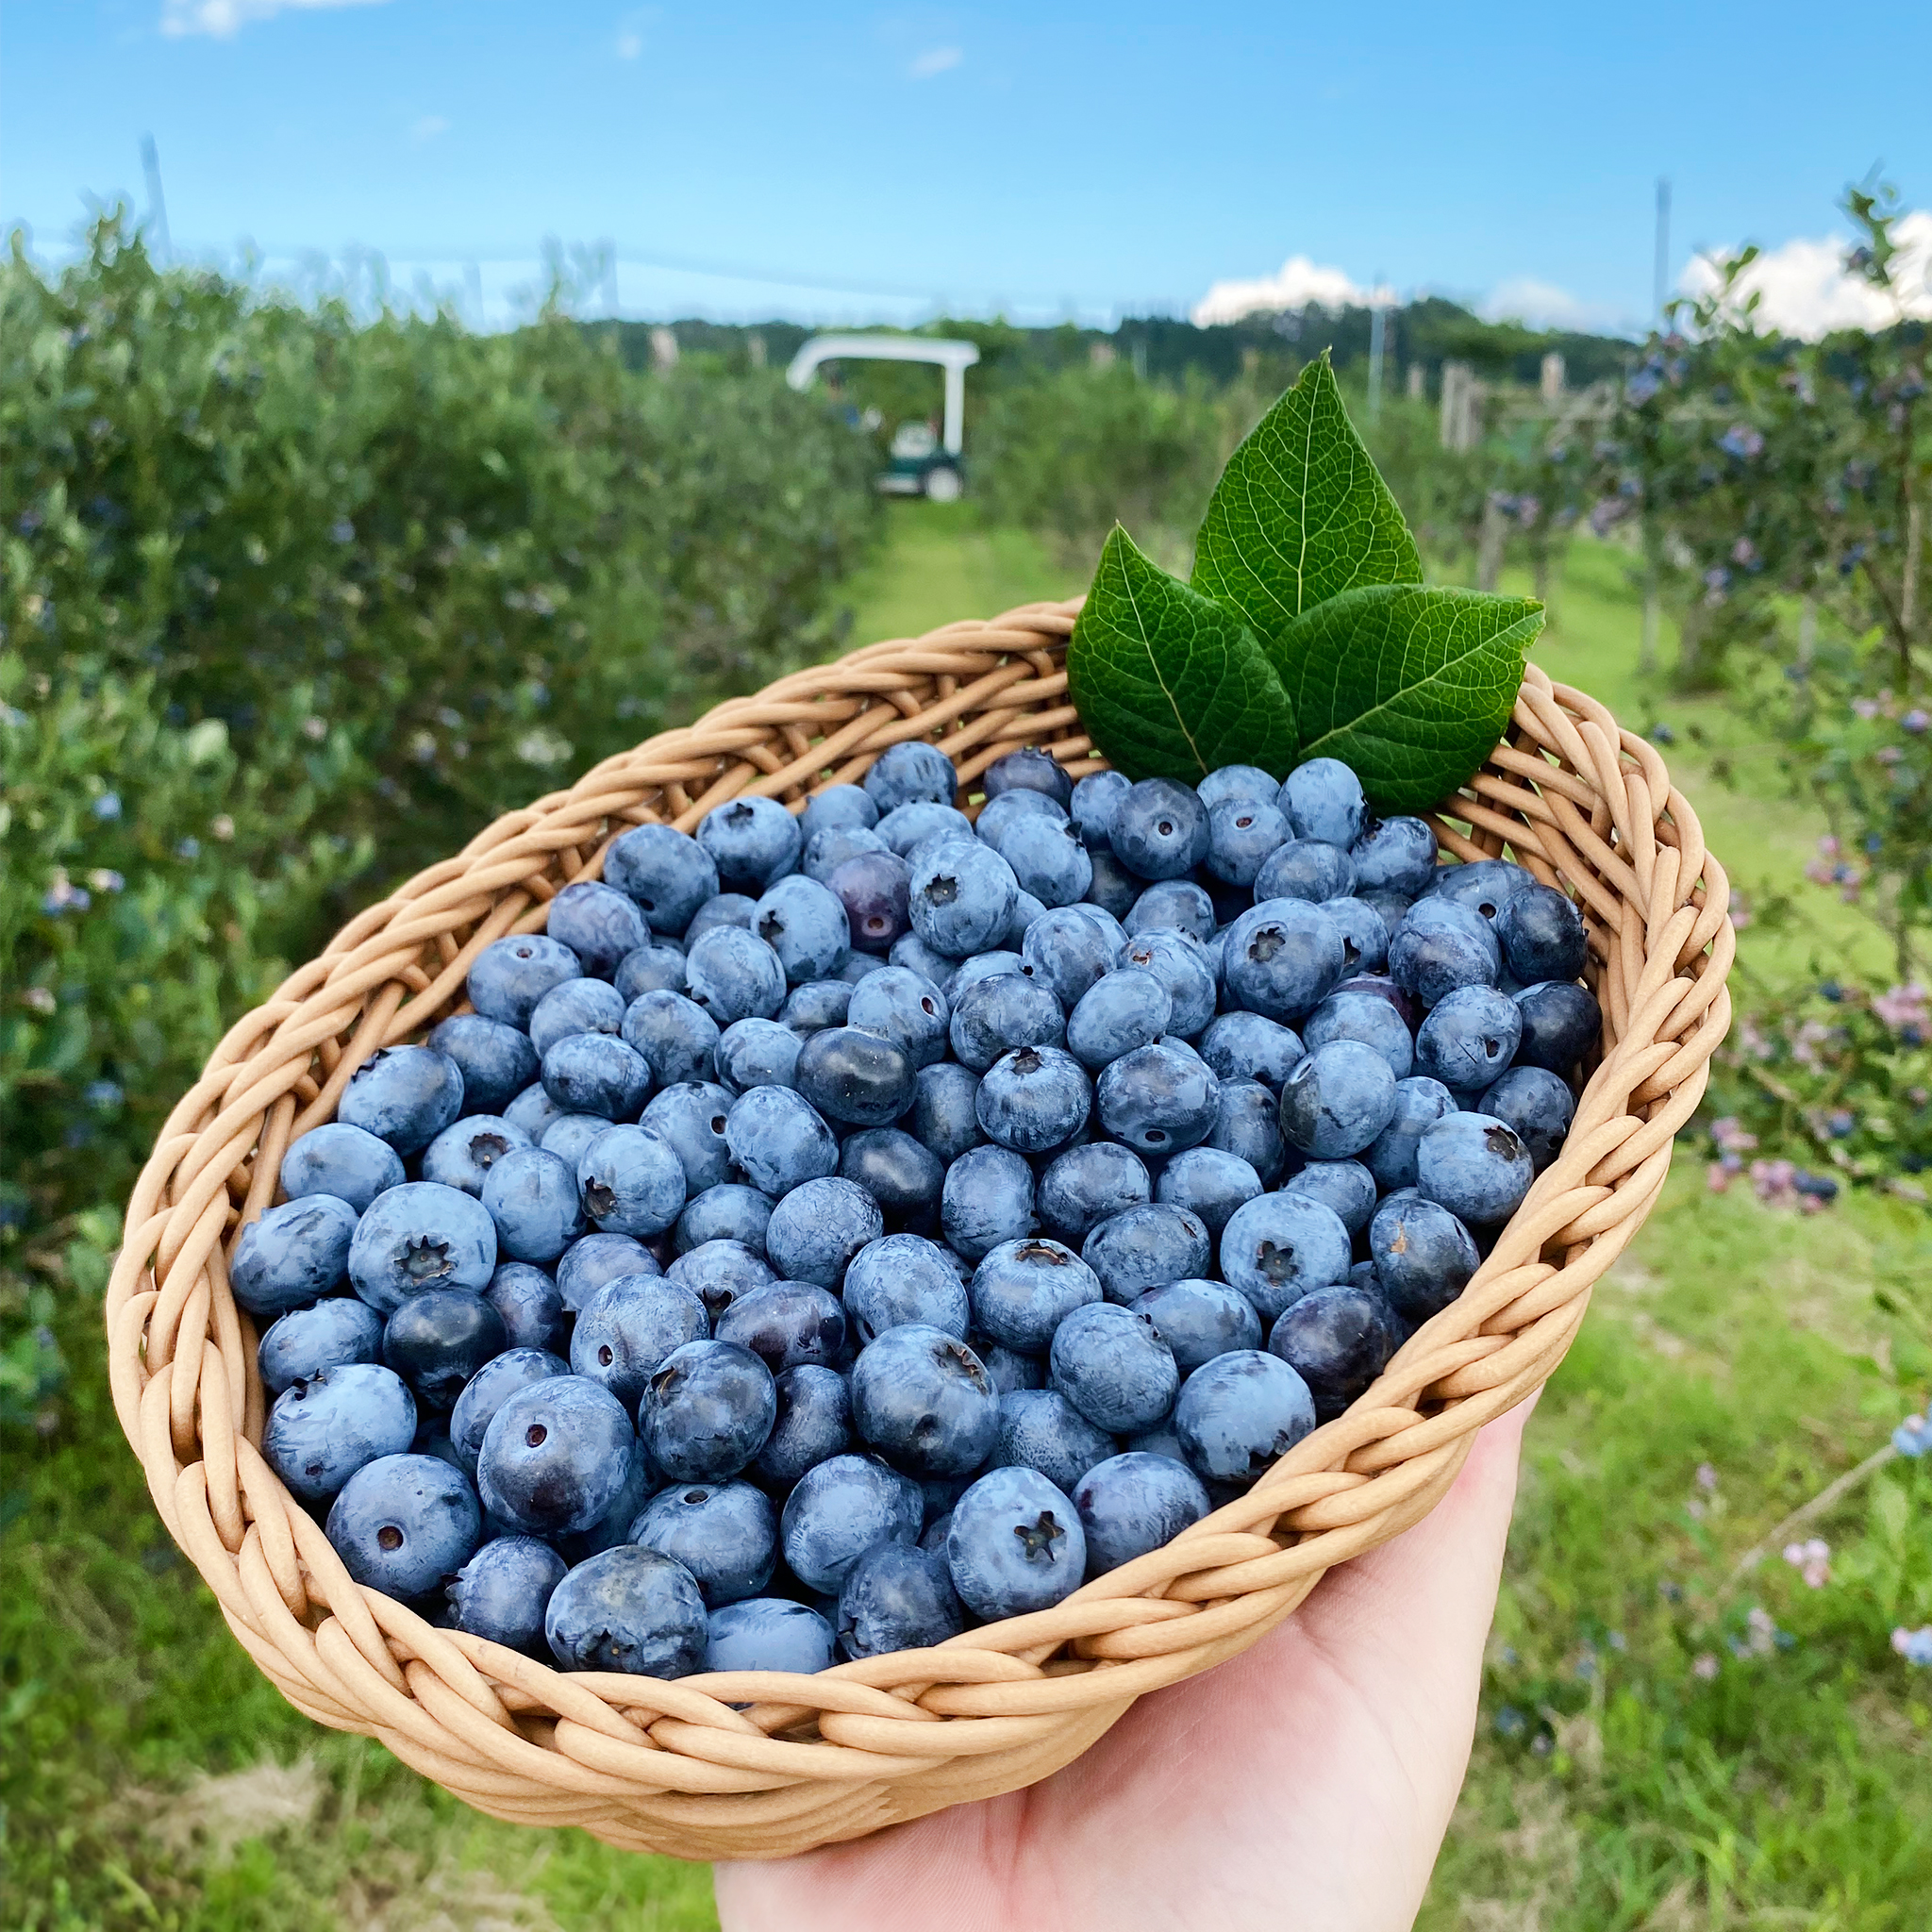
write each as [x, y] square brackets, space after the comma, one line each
[755, 349]
[1489, 545]
[1418, 382]
[663, 347]
[1553, 373]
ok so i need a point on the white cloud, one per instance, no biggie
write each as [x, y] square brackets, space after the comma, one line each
[222, 19]
[428, 128]
[935, 60]
[1300, 282]
[1805, 291]
[1543, 305]
[631, 43]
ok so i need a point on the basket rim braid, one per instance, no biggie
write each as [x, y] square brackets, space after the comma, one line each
[764, 1765]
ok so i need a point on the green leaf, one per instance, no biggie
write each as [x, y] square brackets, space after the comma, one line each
[1300, 514]
[1168, 683]
[1412, 686]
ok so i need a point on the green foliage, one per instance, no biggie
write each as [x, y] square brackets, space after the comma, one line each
[1300, 514]
[1171, 683]
[1409, 685]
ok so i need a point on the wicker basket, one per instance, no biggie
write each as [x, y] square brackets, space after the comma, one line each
[763, 1765]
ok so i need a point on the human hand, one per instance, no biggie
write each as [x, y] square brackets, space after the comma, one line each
[1306, 1783]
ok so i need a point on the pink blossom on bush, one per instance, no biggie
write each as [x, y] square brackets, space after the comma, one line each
[1811, 1560]
[1904, 1005]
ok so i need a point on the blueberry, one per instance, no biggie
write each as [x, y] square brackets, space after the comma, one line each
[613, 1527]
[1282, 959]
[1000, 814]
[1306, 869]
[1337, 1100]
[1338, 1341]
[707, 1411]
[677, 1038]
[944, 1115]
[963, 896]
[855, 1077]
[1088, 1185]
[1242, 832]
[496, 1061]
[1439, 946]
[1423, 1254]
[655, 967]
[347, 1162]
[1385, 989]
[903, 1009]
[1142, 1248]
[1364, 934]
[733, 975]
[404, 1095]
[1132, 1503]
[420, 1236]
[599, 923]
[787, 1324]
[1484, 887]
[1323, 799]
[1247, 1123]
[1542, 936]
[1158, 1099]
[509, 976]
[992, 1016]
[1365, 1017]
[1024, 1289]
[838, 808]
[1468, 1039]
[532, 1197]
[502, 1593]
[555, 1457]
[1280, 1246]
[1015, 1544]
[1112, 1365]
[1034, 1098]
[909, 771]
[1039, 1429]
[726, 1534]
[1346, 1186]
[1560, 1023]
[718, 1272]
[487, 1389]
[327, 1425]
[1126, 1010]
[1251, 1046]
[628, 1610]
[969, 972]
[629, 1328]
[873, 891]
[1537, 1105]
[1114, 888]
[730, 1212]
[1160, 830]
[758, 1053]
[1047, 859]
[436, 1341]
[403, 1525]
[1236, 782]
[911, 951]
[667, 872]
[1208, 1183]
[1475, 1166]
[570, 1135]
[769, 1633]
[753, 841]
[1199, 1319]
[329, 1334]
[841, 1508]
[1391, 908]
[723, 908]
[1240, 1413]
[1420, 1101]
[987, 1198]
[534, 1112]
[922, 1399]
[826, 850]
[1180, 962]
[901, 1175]
[1009, 1370]
[529, 1304]
[1394, 855]
[814, 1005]
[1028, 770]
[592, 1073]
[813, 1423]
[689, 1119]
[903, 1279]
[595, 1259]
[1094, 804]
[897, 1597]
[780, 1140]
[804, 922]
[293, 1255]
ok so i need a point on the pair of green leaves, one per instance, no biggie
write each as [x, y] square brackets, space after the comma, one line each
[1305, 632]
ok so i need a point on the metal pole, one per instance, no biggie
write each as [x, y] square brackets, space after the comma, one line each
[161, 246]
[1661, 285]
[1378, 323]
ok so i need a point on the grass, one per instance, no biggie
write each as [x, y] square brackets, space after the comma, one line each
[153, 1778]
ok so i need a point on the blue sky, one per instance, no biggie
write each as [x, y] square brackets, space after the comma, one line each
[1044, 160]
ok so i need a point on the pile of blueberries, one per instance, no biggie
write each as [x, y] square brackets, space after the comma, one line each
[841, 1229]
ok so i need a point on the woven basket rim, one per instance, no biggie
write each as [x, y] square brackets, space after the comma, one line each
[674, 1765]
